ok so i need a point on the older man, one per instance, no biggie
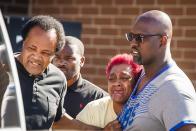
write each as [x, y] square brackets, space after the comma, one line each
[43, 85]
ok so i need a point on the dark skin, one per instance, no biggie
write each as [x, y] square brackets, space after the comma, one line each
[120, 80]
[154, 51]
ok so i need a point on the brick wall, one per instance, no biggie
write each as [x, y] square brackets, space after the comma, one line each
[105, 22]
[14, 7]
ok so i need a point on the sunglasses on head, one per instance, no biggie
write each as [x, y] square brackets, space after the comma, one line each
[139, 38]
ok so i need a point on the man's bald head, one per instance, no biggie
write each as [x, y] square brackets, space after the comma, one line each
[157, 21]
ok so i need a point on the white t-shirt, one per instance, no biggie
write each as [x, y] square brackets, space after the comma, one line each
[98, 112]
[167, 102]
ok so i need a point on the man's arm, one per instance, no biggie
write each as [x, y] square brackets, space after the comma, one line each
[113, 126]
[70, 123]
[189, 127]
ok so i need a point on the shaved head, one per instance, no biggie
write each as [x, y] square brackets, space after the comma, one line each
[157, 24]
[159, 20]
[75, 43]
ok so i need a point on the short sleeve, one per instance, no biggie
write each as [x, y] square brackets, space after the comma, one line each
[177, 104]
[97, 112]
[89, 114]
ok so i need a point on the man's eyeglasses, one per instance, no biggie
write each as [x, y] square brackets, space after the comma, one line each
[139, 38]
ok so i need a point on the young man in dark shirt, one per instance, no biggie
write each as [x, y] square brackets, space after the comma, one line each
[79, 91]
[43, 85]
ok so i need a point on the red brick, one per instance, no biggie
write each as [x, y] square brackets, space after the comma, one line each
[145, 2]
[81, 2]
[126, 30]
[89, 10]
[101, 71]
[84, 20]
[192, 75]
[190, 54]
[187, 65]
[36, 10]
[187, 22]
[101, 41]
[124, 2]
[190, 33]
[47, 10]
[127, 50]
[122, 21]
[90, 30]
[107, 51]
[64, 2]
[173, 10]
[100, 80]
[187, 2]
[88, 70]
[167, 2]
[121, 42]
[173, 44]
[103, 2]
[70, 10]
[174, 21]
[109, 31]
[91, 51]
[191, 11]
[88, 60]
[99, 61]
[129, 11]
[103, 21]
[186, 44]
[177, 32]
[145, 9]
[109, 10]
[86, 41]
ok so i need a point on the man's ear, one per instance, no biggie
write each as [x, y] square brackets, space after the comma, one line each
[82, 61]
[163, 40]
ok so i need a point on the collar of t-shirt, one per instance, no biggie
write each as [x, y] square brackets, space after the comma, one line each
[76, 85]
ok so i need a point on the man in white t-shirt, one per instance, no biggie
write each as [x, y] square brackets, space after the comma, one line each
[164, 97]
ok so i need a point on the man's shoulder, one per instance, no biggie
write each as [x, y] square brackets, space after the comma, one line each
[52, 69]
[56, 74]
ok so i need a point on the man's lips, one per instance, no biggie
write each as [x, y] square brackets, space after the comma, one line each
[134, 52]
[34, 63]
[62, 68]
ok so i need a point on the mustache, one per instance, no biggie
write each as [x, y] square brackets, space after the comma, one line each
[61, 66]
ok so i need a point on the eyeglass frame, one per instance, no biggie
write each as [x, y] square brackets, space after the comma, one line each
[139, 38]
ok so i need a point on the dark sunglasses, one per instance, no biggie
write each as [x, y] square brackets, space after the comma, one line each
[139, 38]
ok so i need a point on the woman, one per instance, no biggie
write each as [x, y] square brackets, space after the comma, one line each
[122, 73]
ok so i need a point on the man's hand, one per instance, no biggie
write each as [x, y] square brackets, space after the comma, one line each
[113, 126]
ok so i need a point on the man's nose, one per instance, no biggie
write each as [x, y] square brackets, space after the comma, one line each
[61, 62]
[37, 56]
[134, 43]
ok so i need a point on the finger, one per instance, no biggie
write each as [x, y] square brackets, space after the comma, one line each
[117, 126]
